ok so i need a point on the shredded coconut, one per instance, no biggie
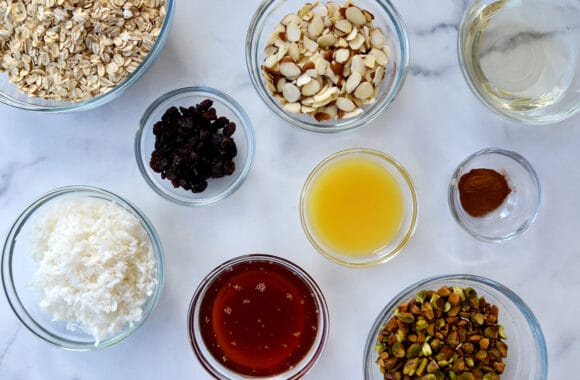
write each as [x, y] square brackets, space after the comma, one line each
[95, 265]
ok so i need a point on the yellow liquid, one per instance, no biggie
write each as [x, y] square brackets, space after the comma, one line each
[355, 206]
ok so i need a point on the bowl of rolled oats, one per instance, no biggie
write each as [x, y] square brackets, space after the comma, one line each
[70, 55]
[327, 66]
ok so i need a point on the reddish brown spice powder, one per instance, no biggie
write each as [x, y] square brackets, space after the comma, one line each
[482, 190]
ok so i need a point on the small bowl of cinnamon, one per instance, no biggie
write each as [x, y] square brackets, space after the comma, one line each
[495, 195]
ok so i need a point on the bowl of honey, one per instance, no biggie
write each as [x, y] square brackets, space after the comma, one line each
[258, 316]
[358, 207]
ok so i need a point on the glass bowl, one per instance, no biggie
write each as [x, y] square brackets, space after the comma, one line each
[218, 188]
[531, 80]
[515, 215]
[387, 18]
[527, 354]
[18, 268]
[274, 276]
[405, 229]
[10, 95]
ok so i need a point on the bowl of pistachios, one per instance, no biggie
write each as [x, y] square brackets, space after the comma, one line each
[327, 66]
[456, 327]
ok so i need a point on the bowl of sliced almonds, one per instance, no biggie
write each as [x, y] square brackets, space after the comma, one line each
[327, 66]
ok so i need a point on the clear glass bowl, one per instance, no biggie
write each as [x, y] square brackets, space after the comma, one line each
[515, 215]
[527, 355]
[406, 228]
[216, 367]
[18, 268]
[10, 95]
[271, 12]
[218, 188]
[521, 59]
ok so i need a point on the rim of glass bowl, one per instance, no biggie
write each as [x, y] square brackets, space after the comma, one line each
[455, 179]
[370, 367]
[506, 115]
[406, 233]
[213, 366]
[233, 106]
[253, 65]
[102, 99]
[12, 293]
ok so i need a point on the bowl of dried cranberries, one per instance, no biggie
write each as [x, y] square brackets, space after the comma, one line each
[194, 145]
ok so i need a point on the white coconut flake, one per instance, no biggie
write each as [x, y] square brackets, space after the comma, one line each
[95, 265]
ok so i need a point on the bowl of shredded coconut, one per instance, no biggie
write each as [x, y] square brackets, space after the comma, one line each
[82, 268]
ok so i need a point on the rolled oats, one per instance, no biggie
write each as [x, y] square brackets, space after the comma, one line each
[74, 50]
[326, 60]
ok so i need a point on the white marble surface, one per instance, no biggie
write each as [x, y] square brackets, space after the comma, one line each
[431, 127]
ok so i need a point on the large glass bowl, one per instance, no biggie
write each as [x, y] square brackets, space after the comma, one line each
[218, 188]
[18, 268]
[271, 12]
[10, 95]
[527, 355]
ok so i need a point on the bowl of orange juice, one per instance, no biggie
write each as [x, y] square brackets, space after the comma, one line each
[358, 207]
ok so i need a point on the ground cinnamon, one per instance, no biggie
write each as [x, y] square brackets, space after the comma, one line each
[482, 191]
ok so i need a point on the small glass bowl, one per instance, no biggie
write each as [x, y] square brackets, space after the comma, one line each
[527, 355]
[410, 212]
[516, 213]
[218, 188]
[216, 367]
[271, 12]
[18, 268]
[10, 95]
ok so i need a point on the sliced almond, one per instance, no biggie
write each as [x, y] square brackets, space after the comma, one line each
[352, 82]
[315, 26]
[369, 60]
[380, 57]
[280, 84]
[332, 8]
[357, 42]
[307, 109]
[343, 25]
[342, 43]
[311, 88]
[320, 10]
[271, 61]
[289, 70]
[326, 40]
[312, 73]
[291, 18]
[291, 93]
[322, 116]
[356, 112]
[309, 44]
[341, 55]
[303, 79]
[282, 50]
[378, 39]
[364, 90]
[293, 32]
[305, 9]
[352, 34]
[326, 94]
[345, 104]
[330, 110]
[355, 16]
[357, 65]
[379, 75]
[293, 107]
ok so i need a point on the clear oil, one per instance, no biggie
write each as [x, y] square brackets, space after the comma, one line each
[521, 57]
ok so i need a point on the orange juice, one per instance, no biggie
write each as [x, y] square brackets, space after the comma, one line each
[355, 206]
